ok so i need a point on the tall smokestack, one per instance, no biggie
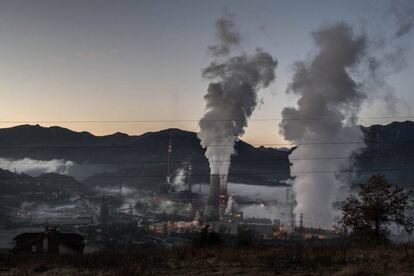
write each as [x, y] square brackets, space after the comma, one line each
[231, 97]
[212, 210]
[214, 194]
[223, 185]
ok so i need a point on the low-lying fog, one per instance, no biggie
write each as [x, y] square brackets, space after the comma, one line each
[34, 167]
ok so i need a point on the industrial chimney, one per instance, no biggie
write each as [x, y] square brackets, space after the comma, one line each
[223, 195]
[212, 210]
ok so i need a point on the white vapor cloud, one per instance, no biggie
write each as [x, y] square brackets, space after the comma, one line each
[35, 167]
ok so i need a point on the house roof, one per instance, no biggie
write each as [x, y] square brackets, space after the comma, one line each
[71, 240]
[27, 236]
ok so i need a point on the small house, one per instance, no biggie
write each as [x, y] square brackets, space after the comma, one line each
[50, 241]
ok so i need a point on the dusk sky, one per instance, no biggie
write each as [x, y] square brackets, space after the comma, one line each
[141, 60]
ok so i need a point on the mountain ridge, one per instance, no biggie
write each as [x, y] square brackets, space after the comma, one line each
[145, 156]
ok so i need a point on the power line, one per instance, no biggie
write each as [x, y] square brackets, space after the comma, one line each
[230, 174]
[197, 120]
[206, 160]
[214, 145]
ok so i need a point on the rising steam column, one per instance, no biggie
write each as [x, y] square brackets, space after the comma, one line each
[230, 101]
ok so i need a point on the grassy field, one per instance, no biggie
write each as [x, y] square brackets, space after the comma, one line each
[283, 260]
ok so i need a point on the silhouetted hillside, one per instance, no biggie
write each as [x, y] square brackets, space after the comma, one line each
[141, 161]
[138, 160]
[23, 184]
[390, 151]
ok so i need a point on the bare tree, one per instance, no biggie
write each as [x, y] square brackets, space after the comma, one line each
[377, 205]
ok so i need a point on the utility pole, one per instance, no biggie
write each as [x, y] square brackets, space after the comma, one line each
[168, 162]
[15, 175]
[290, 204]
[104, 211]
[189, 172]
[120, 194]
[287, 195]
[301, 222]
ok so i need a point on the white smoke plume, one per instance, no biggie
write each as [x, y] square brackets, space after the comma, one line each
[227, 37]
[264, 211]
[232, 96]
[179, 180]
[41, 212]
[231, 205]
[115, 191]
[261, 201]
[36, 167]
[324, 124]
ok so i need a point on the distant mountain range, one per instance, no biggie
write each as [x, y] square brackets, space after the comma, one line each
[141, 161]
[389, 151]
